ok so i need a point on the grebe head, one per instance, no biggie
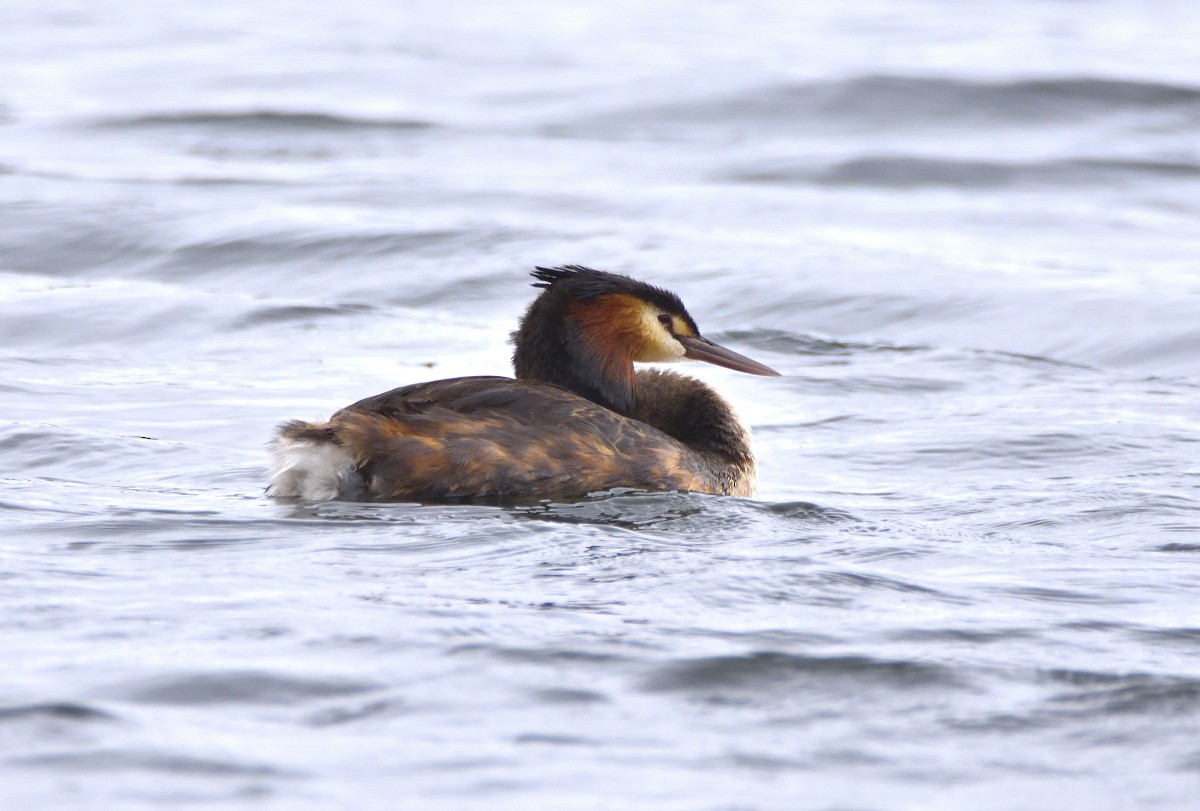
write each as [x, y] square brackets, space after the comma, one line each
[588, 327]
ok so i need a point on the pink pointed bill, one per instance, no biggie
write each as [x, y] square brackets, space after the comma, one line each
[703, 349]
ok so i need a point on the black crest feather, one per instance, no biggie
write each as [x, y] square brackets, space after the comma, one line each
[584, 282]
[548, 276]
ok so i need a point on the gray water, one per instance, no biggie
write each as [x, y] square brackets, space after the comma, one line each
[967, 235]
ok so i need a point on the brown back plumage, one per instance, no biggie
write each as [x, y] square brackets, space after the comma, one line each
[499, 438]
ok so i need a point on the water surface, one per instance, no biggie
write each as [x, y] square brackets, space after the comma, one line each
[968, 240]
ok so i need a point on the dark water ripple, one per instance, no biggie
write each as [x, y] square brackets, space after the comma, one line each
[1050, 595]
[67, 712]
[1187, 637]
[247, 687]
[769, 671]
[910, 171]
[275, 314]
[148, 761]
[62, 243]
[894, 101]
[353, 713]
[289, 249]
[1178, 547]
[785, 342]
[1102, 695]
[266, 122]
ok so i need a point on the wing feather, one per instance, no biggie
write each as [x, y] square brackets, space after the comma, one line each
[495, 437]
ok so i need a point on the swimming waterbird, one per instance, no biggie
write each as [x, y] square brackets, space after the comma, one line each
[577, 418]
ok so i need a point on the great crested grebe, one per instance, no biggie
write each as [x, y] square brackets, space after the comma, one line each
[576, 419]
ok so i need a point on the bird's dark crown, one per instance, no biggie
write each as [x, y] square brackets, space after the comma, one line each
[582, 282]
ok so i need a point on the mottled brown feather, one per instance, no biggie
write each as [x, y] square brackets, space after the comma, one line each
[494, 437]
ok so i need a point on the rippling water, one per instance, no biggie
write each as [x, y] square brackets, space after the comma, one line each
[968, 239]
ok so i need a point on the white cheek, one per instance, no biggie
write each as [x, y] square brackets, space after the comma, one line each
[660, 347]
[664, 349]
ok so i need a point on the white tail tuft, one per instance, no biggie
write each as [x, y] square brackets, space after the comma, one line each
[308, 470]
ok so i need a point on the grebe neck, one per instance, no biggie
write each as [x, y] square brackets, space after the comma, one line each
[693, 413]
[574, 347]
